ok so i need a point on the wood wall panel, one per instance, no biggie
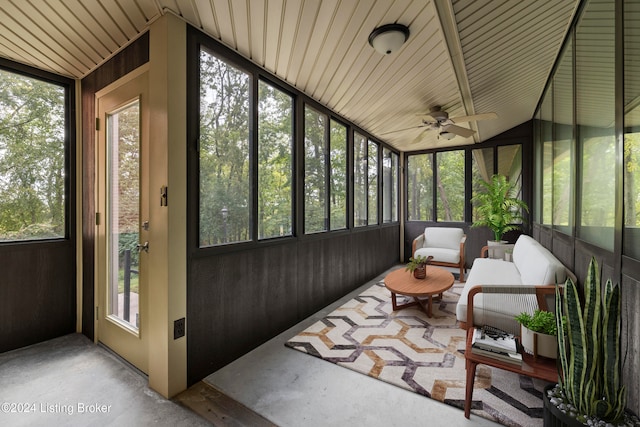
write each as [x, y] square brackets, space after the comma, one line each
[631, 346]
[135, 55]
[238, 300]
[37, 292]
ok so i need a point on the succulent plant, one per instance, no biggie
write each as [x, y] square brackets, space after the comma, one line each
[589, 347]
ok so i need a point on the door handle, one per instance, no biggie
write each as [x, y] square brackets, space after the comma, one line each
[143, 247]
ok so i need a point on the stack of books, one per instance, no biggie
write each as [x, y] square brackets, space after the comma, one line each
[498, 344]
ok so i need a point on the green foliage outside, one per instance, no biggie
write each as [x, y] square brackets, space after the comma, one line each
[32, 158]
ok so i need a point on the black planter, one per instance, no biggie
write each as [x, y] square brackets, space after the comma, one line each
[552, 416]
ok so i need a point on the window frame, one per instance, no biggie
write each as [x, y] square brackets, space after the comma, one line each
[69, 150]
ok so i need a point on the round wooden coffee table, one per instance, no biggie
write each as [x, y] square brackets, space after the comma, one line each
[402, 282]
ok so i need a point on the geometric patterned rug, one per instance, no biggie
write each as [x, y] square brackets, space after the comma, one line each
[421, 354]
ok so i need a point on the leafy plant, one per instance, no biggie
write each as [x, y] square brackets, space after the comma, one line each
[589, 348]
[497, 207]
[416, 262]
[540, 321]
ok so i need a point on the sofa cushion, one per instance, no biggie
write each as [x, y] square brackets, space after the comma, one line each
[440, 254]
[487, 271]
[443, 237]
[537, 266]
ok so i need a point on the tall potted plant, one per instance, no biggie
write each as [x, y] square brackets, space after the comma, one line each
[498, 207]
[590, 386]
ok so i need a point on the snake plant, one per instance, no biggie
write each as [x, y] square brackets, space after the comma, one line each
[589, 347]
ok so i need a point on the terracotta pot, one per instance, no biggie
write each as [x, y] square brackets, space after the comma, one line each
[420, 272]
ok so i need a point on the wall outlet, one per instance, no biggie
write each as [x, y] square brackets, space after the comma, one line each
[178, 328]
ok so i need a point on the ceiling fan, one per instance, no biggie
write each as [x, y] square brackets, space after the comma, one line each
[439, 120]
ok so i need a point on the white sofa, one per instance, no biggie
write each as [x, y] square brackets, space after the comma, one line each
[532, 265]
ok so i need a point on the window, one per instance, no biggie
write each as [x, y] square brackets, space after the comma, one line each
[595, 98]
[315, 167]
[482, 169]
[33, 174]
[563, 142]
[450, 186]
[225, 196]
[275, 162]
[546, 136]
[510, 165]
[389, 186]
[372, 182]
[359, 180]
[631, 234]
[338, 173]
[420, 187]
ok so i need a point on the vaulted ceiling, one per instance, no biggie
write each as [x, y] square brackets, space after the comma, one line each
[470, 57]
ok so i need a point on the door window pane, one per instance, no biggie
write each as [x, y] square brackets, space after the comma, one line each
[123, 145]
[275, 162]
[224, 153]
[420, 187]
[338, 173]
[359, 180]
[314, 171]
[32, 158]
[450, 186]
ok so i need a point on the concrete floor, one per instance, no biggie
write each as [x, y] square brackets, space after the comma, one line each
[290, 388]
[69, 381]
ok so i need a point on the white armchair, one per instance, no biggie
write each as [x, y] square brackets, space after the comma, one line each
[444, 244]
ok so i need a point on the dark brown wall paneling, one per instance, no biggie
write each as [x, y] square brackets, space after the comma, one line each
[38, 279]
[37, 292]
[563, 249]
[238, 300]
[133, 56]
[631, 343]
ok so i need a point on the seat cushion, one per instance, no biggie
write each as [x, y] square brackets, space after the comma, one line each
[443, 237]
[487, 271]
[440, 254]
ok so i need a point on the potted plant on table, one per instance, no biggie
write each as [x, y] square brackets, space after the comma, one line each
[590, 389]
[538, 333]
[498, 208]
[418, 266]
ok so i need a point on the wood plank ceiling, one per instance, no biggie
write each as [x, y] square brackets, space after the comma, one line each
[470, 57]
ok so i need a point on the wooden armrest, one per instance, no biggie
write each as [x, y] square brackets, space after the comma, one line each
[484, 252]
[418, 242]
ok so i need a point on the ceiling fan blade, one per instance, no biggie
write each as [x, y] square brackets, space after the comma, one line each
[402, 130]
[419, 137]
[474, 118]
[458, 130]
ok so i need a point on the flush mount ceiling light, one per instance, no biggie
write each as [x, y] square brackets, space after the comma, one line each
[447, 135]
[388, 38]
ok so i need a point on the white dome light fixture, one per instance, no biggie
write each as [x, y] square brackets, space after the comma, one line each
[388, 38]
[447, 135]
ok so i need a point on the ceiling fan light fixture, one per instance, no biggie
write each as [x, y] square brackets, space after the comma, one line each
[447, 135]
[388, 38]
